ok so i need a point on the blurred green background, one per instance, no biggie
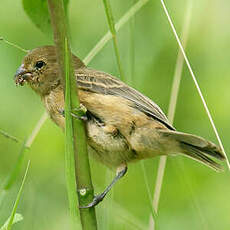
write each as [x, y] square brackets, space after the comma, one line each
[193, 196]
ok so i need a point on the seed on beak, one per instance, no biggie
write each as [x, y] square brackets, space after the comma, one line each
[21, 75]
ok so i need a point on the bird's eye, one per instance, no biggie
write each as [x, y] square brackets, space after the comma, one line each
[39, 64]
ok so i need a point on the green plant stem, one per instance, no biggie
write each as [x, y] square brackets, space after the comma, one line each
[110, 20]
[75, 130]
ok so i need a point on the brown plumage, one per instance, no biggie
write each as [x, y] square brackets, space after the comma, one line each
[123, 125]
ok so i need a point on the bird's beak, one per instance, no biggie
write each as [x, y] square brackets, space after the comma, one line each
[22, 75]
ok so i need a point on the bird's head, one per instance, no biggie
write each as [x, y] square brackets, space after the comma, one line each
[41, 71]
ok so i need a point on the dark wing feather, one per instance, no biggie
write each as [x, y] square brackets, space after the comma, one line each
[100, 82]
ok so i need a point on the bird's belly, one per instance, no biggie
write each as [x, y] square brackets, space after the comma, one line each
[108, 146]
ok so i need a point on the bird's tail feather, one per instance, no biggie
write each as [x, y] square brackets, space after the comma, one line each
[197, 148]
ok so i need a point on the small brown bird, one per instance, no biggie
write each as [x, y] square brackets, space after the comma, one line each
[122, 124]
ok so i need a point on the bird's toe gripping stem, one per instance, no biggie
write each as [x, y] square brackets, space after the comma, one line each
[79, 113]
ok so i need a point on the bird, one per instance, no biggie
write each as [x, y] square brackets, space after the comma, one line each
[122, 125]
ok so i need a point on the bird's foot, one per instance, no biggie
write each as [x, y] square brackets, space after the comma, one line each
[62, 112]
[96, 200]
[82, 117]
[121, 170]
[81, 108]
[81, 113]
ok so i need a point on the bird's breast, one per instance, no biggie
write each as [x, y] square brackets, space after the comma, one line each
[54, 103]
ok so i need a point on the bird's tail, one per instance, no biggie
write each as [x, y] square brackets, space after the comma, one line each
[197, 148]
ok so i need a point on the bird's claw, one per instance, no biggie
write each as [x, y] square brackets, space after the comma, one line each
[96, 200]
[62, 112]
[82, 109]
[83, 117]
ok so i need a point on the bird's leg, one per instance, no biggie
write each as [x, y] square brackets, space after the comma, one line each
[81, 109]
[98, 198]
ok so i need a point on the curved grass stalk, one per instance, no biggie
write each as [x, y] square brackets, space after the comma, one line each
[196, 83]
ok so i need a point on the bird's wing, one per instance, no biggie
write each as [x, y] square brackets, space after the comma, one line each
[103, 83]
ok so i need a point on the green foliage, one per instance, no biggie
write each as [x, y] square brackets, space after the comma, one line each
[17, 218]
[37, 10]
